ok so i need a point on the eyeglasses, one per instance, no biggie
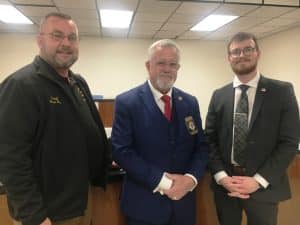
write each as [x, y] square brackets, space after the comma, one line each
[247, 51]
[59, 36]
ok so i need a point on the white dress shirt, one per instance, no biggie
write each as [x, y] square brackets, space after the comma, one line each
[251, 97]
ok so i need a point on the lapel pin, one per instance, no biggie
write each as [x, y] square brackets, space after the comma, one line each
[263, 90]
[180, 98]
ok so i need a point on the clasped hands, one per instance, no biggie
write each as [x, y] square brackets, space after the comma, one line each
[181, 185]
[240, 186]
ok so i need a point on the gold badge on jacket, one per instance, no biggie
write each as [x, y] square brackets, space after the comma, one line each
[190, 125]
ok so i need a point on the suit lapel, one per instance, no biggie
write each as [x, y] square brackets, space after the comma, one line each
[148, 99]
[228, 97]
[262, 88]
[229, 105]
[177, 104]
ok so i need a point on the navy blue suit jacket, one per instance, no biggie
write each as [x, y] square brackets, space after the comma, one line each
[146, 145]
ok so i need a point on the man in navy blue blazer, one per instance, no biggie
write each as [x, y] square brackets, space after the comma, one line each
[159, 144]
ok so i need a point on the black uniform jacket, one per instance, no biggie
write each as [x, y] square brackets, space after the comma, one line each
[52, 144]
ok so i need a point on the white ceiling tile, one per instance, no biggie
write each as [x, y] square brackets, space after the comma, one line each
[157, 6]
[245, 1]
[281, 22]
[140, 36]
[193, 34]
[118, 4]
[261, 29]
[229, 30]
[293, 14]
[36, 10]
[246, 22]
[80, 13]
[84, 30]
[78, 4]
[283, 2]
[177, 27]
[35, 2]
[149, 3]
[193, 8]
[150, 17]
[144, 26]
[142, 33]
[36, 19]
[163, 19]
[185, 18]
[269, 11]
[218, 36]
[166, 34]
[266, 34]
[234, 9]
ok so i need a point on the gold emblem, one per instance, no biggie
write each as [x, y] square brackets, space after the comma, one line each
[54, 100]
[190, 125]
[81, 94]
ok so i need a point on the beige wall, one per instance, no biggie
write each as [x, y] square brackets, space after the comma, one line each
[114, 65]
[280, 57]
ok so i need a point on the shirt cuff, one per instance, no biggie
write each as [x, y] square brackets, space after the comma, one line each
[220, 175]
[262, 181]
[165, 183]
[194, 179]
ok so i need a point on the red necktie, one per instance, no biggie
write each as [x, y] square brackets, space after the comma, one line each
[167, 109]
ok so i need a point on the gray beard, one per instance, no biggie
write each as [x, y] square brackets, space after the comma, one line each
[164, 87]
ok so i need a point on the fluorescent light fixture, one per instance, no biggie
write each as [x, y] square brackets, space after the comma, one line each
[115, 18]
[213, 22]
[9, 14]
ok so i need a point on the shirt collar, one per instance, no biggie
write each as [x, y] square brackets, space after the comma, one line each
[252, 83]
[157, 95]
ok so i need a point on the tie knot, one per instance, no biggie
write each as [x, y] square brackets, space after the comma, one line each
[166, 98]
[244, 88]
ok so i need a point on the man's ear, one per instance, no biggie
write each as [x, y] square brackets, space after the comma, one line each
[38, 39]
[147, 64]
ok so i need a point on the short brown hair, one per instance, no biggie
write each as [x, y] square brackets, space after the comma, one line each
[242, 36]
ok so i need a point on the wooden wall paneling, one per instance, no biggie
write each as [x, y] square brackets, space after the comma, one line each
[5, 218]
[106, 109]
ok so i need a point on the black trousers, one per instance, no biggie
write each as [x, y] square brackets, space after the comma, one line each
[229, 210]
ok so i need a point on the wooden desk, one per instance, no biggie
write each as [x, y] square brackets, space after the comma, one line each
[106, 204]
[4, 215]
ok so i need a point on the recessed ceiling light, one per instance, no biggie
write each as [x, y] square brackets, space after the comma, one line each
[9, 14]
[213, 22]
[115, 18]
